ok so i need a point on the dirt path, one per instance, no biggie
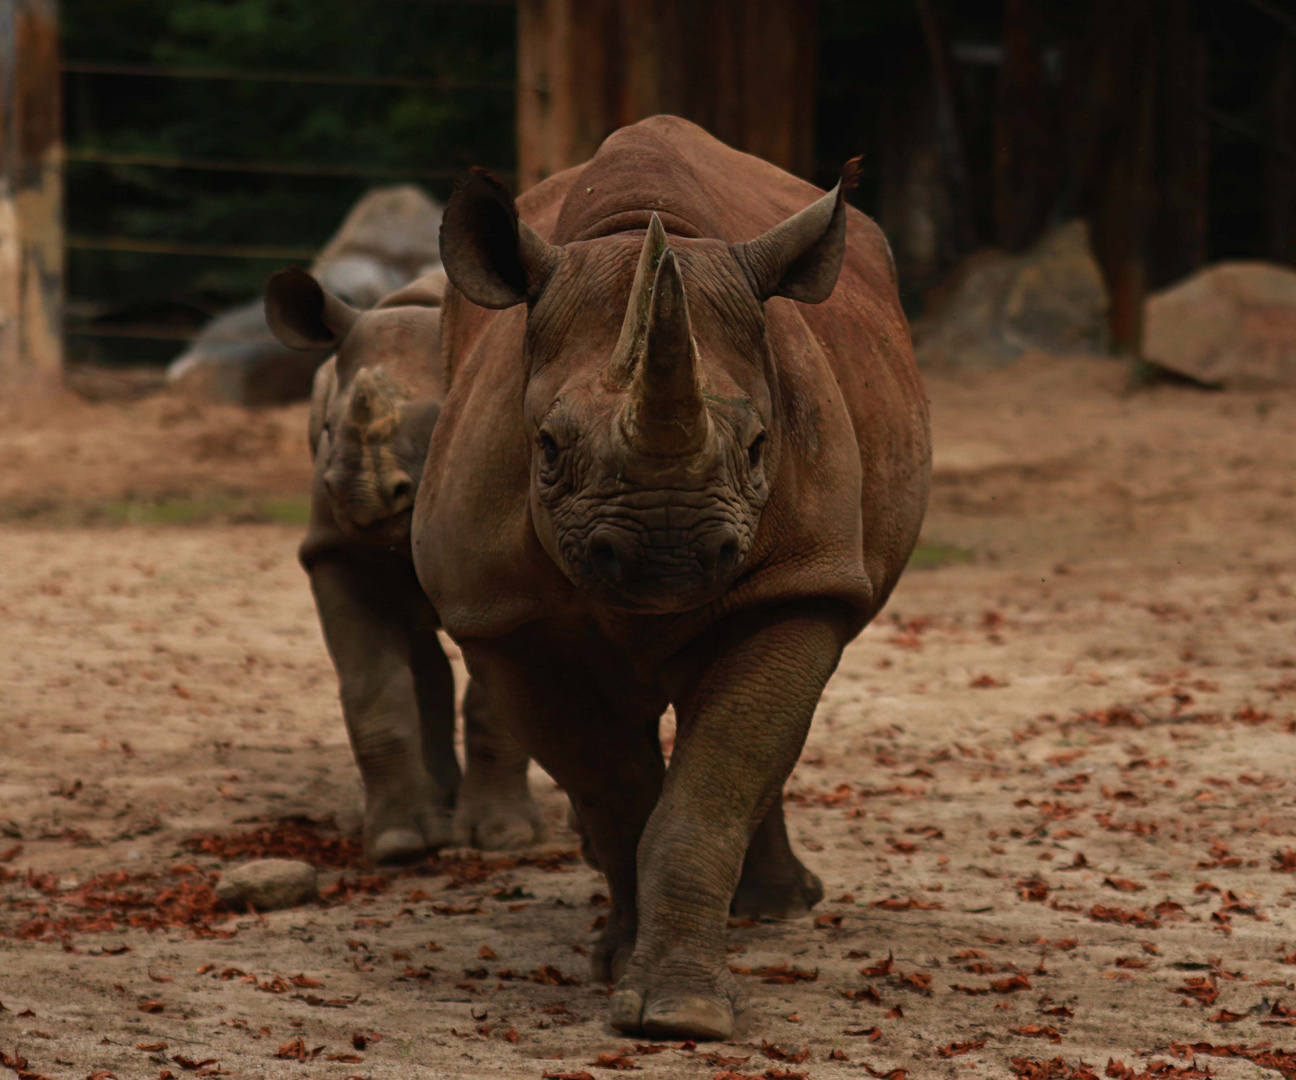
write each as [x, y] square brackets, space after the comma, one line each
[1049, 792]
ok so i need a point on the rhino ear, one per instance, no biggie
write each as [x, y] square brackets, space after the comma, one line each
[801, 257]
[302, 314]
[493, 257]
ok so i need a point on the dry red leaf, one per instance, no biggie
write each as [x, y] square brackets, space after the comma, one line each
[894, 1074]
[1130, 962]
[864, 993]
[296, 1050]
[1033, 888]
[895, 1013]
[1011, 984]
[782, 974]
[717, 1060]
[1038, 1031]
[566, 1075]
[190, 1065]
[1124, 884]
[1056, 1069]
[151, 1006]
[1225, 1017]
[838, 1055]
[894, 903]
[1201, 987]
[777, 1053]
[877, 971]
[615, 1061]
[303, 981]
[486, 953]
[152, 1048]
[913, 980]
[955, 1049]
[1284, 862]
[1100, 913]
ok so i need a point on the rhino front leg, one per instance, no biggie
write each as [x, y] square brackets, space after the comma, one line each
[400, 725]
[743, 718]
[495, 810]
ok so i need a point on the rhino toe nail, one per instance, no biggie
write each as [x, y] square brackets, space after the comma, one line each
[626, 1010]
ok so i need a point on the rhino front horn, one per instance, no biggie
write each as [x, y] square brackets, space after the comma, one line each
[665, 414]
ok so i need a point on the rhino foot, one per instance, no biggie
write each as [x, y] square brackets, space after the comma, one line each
[785, 891]
[679, 1008]
[497, 824]
[406, 837]
[612, 953]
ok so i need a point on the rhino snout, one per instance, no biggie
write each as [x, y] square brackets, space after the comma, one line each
[363, 500]
[663, 570]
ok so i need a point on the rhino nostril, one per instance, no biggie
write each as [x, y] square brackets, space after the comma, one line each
[401, 490]
[603, 558]
[727, 558]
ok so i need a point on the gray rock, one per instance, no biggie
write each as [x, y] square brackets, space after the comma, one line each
[386, 240]
[268, 884]
[1232, 324]
[997, 306]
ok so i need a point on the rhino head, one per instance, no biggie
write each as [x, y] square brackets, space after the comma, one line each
[651, 381]
[371, 428]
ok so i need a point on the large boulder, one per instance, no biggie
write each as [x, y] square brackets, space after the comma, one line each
[386, 240]
[997, 306]
[1232, 324]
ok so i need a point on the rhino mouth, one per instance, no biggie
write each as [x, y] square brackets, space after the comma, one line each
[656, 570]
[390, 531]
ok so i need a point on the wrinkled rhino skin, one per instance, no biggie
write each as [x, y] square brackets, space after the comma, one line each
[373, 410]
[686, 470]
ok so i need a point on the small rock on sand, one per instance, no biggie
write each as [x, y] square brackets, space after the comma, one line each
[268, 884]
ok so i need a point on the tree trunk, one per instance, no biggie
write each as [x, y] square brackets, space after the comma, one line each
[1280, 167]
[743, 69]
[1025, 166]
[31, 228]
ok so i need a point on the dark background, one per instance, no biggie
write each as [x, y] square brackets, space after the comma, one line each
[255, 124]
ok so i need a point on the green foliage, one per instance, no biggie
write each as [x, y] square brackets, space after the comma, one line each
[399, 129]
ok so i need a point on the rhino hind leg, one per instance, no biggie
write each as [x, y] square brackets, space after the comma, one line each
[400, 721]
[775, 884]
[495, 809]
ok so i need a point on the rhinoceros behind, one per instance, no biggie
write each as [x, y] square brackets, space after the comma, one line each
[683, 459]
[373, 410]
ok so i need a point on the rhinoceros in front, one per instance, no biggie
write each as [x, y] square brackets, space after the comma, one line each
[693, 456]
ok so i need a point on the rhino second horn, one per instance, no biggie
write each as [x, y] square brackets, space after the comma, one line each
[665, 408]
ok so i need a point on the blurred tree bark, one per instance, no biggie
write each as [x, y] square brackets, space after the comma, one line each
[1136, 149]
[1026, 133]
[743, 69]
[1280, 158]
[31, 157]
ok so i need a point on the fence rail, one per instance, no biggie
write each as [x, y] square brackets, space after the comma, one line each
[310, 78]
[284, 168]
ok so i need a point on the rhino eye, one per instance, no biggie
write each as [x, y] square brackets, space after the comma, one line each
[548, 448]
[756, 449]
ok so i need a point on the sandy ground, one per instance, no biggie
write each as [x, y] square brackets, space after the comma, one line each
[1049, 791]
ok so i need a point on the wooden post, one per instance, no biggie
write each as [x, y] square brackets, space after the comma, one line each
[1280, 158]
[1025, 162]
[743, 69]
[31, 195]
